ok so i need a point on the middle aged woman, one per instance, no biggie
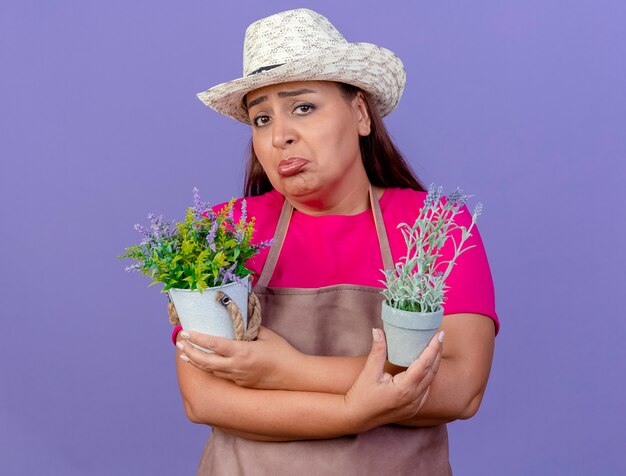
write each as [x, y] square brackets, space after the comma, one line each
[314, 394]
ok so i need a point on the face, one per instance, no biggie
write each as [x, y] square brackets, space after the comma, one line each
[306, 137]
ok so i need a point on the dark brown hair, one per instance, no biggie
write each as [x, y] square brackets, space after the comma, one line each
[384, 164]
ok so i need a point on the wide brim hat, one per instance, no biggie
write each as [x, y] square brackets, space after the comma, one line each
[302, 45]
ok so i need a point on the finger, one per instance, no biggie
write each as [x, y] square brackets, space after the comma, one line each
[201, 367]
[199, 358]
[375, 363]
[424, 398]
[220, 345]
[182, 355]
[438, 359]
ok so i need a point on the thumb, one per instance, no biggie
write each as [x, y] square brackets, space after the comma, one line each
[375, 363]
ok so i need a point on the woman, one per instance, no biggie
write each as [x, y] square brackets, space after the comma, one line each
[314, 393]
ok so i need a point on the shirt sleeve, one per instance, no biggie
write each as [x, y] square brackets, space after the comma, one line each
[470, 284]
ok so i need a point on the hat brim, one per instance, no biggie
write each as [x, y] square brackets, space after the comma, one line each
[372, 68]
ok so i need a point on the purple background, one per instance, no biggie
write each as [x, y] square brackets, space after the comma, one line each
[520, 102]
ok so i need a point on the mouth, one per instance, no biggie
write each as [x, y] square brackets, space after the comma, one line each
[291, 166]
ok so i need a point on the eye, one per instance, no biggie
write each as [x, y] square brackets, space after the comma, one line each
[260, 121]
[303, 109]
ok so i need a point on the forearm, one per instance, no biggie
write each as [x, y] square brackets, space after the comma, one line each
[374, 399]
[313, 373]
[316, 395]
[458, 388]
[255, 436]
[262, 414]
[324, 374]
[450, 398]
[451, 395]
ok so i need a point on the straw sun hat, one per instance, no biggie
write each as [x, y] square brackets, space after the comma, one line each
[302, 45]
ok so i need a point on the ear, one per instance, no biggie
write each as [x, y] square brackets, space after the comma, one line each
[362, 115]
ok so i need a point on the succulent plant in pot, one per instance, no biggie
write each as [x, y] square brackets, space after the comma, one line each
[195, 259]
[415, 290]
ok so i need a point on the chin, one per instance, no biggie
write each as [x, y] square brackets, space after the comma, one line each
[297, 187]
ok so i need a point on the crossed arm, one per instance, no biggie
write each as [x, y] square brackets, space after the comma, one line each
[267, 390]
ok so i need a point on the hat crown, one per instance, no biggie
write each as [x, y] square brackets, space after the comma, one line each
[302, 45]
[285, 37]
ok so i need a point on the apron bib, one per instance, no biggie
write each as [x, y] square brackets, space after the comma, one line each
[332, 321]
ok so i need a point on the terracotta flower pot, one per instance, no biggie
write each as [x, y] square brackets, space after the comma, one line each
[200, 312]
[408, 333]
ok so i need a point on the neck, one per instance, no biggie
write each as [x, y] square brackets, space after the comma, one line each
[350, 201]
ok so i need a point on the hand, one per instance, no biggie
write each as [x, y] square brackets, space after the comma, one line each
[265, 363]
[377, 398]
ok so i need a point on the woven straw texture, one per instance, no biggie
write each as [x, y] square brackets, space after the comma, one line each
[302, 45]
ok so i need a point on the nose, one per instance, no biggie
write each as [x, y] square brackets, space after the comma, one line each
[283, 132]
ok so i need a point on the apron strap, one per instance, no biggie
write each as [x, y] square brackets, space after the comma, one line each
[383, 240]
[283, 225]
[277, 245]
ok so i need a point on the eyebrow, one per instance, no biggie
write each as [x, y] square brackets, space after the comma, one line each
[281, 94]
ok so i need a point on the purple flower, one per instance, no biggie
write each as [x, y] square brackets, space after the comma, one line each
[433, 197]
[146, 235]
[200, 208]
[159, 230]
[196, 198]
[155, 225]
[226, 276]
[478, 209]
[457, 197]
[210, 214]
[265, 244]
[244, 210]
[162, 241]
[210, 237]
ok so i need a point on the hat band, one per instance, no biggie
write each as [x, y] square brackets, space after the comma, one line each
[262, 69]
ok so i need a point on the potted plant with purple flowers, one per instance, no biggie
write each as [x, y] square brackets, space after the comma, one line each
[196, 258]
[415, 290]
